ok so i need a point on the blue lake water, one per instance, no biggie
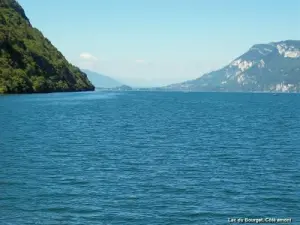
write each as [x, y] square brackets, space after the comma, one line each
[148, 158]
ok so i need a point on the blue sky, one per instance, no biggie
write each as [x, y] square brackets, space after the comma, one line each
[158, 42]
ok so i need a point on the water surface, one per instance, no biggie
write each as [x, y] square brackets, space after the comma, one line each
[148, 158]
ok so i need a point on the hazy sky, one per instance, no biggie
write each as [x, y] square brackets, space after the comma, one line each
[158, 42]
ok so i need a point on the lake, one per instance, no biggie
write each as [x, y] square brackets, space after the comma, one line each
[148, 158]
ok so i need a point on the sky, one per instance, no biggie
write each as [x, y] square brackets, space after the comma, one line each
[159, 42]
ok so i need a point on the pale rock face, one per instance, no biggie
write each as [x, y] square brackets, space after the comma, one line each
[241, 79]
[288, 51]
[292, 54]
[227, 74]
[264, 51]
[267, 50]
[283, 87]
[238, 73]
[261, 64]
[242, 65]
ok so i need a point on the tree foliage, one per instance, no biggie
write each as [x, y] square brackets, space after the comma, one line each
[29, 63]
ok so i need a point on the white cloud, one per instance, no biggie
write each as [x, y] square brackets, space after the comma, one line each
[88, 56]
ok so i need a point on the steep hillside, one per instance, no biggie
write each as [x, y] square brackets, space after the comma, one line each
[29, 63]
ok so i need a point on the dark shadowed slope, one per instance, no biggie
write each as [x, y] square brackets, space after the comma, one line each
[29, 63]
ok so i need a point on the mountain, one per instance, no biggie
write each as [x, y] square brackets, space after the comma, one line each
[29, 63]
[123, 88]
[273, 67]
[119, 88]
[100, 80]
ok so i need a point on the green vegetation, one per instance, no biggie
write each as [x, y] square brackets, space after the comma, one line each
[29, 63]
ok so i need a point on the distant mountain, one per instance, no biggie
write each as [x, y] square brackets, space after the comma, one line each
[29, 63]
[124, 88]
[100, 80]
[273, 67]
[119, 88]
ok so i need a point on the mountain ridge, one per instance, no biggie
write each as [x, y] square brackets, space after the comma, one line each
[264, 67]
[100, 80]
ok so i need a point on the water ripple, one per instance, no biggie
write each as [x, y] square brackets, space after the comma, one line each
[148, 158]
